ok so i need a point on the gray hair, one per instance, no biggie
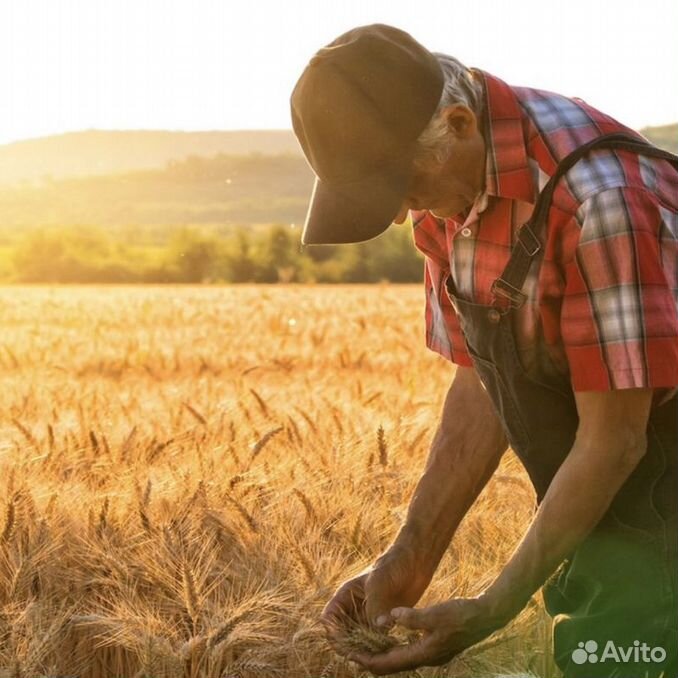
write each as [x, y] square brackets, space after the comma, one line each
[460, 86]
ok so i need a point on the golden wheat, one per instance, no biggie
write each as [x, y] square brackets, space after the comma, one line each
[187, 477]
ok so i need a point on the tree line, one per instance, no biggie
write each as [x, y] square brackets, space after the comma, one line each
[194, 254]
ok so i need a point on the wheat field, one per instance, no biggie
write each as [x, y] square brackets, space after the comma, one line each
[188, 473]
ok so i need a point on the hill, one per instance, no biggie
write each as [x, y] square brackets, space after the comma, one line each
[99, 152]
[96, 152]
[221, 189]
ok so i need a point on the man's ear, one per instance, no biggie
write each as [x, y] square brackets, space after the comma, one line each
[461, 121]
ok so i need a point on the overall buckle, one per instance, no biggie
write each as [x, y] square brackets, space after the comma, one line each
[528, 240]
[504, 289]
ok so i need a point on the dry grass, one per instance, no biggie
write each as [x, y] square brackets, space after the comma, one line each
[188, 473]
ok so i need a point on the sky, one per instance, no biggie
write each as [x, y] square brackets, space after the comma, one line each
[68, 65]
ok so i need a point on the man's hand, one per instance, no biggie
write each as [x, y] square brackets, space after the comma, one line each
[447, 629]
[395, 579]
[465, 451]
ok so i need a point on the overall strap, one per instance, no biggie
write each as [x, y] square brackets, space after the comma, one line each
[510, 283]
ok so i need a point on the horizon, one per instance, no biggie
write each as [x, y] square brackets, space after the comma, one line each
[206, 131]
[209, 66]
[146, 131]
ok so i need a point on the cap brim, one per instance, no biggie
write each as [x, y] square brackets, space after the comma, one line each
[354, 212]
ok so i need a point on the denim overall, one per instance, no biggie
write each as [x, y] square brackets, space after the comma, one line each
[620, 584]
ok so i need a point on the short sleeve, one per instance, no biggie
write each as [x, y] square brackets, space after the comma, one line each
[619, 317]
[443, 331]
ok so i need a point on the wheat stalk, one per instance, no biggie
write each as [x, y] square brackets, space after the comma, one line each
[194, 412]
[355, 532]
[30, 438]
[190, 594]
[94, 442]
[382, 446]
[223, 631]
[308, 419]
[263, 441]
[249, 519]
[307, 504]
[10, 519]
[261, 402]
[351, 637]
[303, 559]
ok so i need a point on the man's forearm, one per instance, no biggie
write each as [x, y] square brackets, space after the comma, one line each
[465, 451]
[578, 497]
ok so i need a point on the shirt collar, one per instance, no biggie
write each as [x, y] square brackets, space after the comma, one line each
[507, 173]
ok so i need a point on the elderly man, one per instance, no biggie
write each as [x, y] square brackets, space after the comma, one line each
[550, 235]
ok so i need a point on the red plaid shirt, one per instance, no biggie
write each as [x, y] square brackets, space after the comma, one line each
[602, 298]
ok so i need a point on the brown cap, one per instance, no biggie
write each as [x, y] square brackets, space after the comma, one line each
[357, 110]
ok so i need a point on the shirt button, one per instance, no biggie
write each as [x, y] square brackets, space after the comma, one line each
[466, 232]
[493, 315]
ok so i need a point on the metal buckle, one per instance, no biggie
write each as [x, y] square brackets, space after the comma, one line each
[503, 289]
[536, 245]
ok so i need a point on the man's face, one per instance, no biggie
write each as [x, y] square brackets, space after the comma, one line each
[449, 188]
